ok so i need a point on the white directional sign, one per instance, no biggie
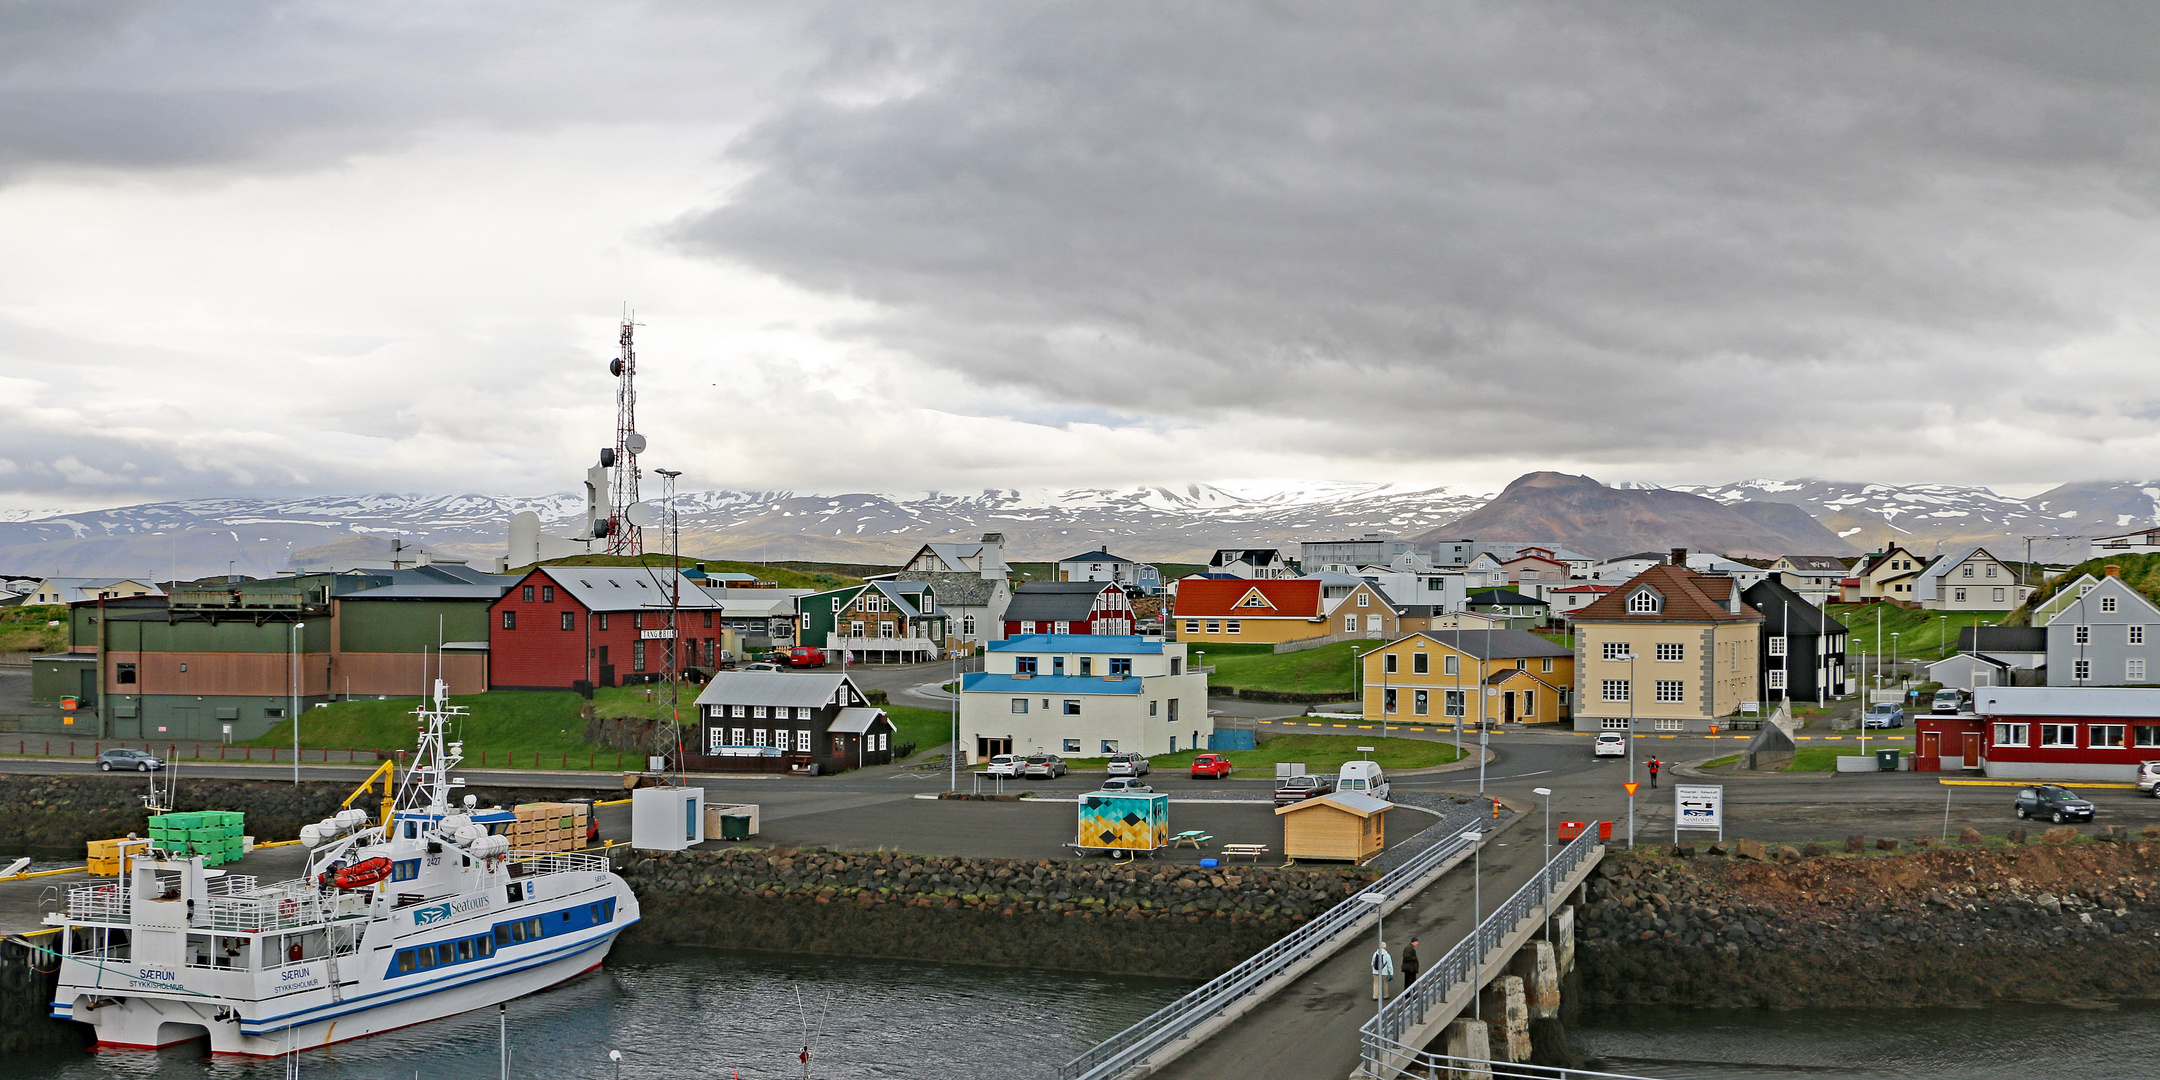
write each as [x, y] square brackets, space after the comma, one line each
[656, 635]
[1699, 806]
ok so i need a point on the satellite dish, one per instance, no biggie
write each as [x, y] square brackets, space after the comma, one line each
[642, 515]
[614, 367]
[607, 457]
[635, 443]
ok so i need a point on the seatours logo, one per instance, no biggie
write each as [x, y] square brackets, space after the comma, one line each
[442, 912]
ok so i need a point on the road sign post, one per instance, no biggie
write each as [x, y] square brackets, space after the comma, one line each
[1698, 807]
[1631, 786]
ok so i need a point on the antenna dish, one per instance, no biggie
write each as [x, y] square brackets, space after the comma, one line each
[635, 443]
[614, 367]
[643, 515]
[607, 457]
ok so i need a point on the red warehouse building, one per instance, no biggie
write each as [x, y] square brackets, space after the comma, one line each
[2045, 733]
[560, 626]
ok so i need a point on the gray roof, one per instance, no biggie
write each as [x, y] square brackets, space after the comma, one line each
[1497, 644]
[1055, 601]
[1504, 596]
[2002, 639]
[790, 688]
[627, 588]
[968, 589]
[429, 591]
[856, 721]
[1097, 555]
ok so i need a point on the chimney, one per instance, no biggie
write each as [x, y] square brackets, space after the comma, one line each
[2114, 571]
[1679, 557]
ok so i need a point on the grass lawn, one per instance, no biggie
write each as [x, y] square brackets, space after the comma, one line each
[923, 727]
[1320, 753]
[1926, 635]
[1820, 758]
[23, 629]
[1325, 670]
[1565, 641]
[506, 726]
[1719, 763]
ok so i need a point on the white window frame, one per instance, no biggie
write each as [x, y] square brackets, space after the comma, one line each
[802, 740]
[2013, 734]
[1776, 678]
[1643, 602]
[1364, 600]
[2107, 604]
[1545, 666]
[2134, 669]
[1614, 650]
[1454, 703]
[1671, 651]
[1019, 706]
[1451, 665]
[2107, 736]
[2081, 635]
[1614, 723]
[1420, 703]
[1668, 723]
[1671, 691]
[1614, 689]
[1233, 626]
[2081, 670]
[2145, 736]
[2136, 634]
[2059, 736]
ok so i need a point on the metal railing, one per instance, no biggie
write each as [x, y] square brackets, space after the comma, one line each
[1381, 1036]
[542, 863]
[1174, 1021]
[1421, 1064]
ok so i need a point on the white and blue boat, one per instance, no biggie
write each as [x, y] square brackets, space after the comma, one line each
[431, 916]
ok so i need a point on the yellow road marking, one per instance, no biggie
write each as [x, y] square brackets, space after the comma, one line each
[2030, 783]
[1334, 725]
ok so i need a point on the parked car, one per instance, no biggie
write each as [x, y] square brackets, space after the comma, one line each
[1609, 744]
[2149, 778]
[1950, 699]
[120, 757]
[1212, 766]
[1128, 765]
[1044, 767]
[1292, 789]
[799, 656]
[1125, 784]
[1005, 765]
[1363, 776]
[764, 665]
[2053, 802]
[1884, 714]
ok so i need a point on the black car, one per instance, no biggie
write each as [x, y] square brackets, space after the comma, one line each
[121, 757]
[2053, 802]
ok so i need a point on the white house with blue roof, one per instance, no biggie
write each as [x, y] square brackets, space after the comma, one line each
[1083, 695]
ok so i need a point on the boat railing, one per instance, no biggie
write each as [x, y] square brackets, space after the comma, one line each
[526, 864]
[282, 906]
[103, 903]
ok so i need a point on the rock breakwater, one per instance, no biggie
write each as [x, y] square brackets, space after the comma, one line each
[1953, 925]
[1086, 915]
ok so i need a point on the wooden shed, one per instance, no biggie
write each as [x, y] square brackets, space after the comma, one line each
[1345, 825]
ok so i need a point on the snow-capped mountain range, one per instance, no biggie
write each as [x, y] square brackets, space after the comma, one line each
[203, 536]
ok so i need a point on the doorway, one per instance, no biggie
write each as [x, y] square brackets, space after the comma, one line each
[987, 748]
[1972, 749]
[1931, 744]
[1507, 707]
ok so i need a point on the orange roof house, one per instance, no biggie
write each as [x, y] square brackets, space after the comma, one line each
[1242, 610]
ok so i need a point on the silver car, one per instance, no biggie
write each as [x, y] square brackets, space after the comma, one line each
[1044, 767]
[1126, 784]
[1128, 765]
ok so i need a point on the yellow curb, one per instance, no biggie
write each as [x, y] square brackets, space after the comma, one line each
[2032, 783]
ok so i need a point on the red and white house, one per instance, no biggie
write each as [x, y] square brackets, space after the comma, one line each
[2044, 733]
[602, 625]
[1069, 607]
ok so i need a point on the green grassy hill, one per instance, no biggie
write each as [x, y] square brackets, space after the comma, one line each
[23, 628]
[1325, 670]
[1925, 634]
[2140, 572]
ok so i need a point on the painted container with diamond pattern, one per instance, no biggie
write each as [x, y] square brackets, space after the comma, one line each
[1124, 821]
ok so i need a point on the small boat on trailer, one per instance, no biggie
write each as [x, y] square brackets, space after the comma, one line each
[397, 923]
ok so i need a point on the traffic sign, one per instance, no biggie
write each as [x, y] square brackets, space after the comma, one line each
[1631, 786]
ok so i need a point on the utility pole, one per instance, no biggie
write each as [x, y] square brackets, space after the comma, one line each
[671, 733]
[624, 535]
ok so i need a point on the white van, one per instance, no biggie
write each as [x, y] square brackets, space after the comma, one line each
[1363, 777]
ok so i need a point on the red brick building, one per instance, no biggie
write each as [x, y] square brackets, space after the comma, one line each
[601, 625]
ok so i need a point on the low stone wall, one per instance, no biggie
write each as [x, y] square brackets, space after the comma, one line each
[1965, 924]
[57, 815]
[1081, 915]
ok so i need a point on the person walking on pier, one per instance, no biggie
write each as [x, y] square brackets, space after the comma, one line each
[1654, 766]
[1409, 963]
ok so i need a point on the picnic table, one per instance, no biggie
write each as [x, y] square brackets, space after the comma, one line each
[1253, 851]
[1191, 838]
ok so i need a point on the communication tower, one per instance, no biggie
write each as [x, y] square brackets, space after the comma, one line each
[625, 537]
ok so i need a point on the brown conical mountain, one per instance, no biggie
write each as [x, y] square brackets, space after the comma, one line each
[1580, 513]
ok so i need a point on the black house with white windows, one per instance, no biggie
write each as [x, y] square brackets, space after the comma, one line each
[1803, 649]
[782, 721]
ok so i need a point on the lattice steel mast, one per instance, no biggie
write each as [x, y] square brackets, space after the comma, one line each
[624, 536]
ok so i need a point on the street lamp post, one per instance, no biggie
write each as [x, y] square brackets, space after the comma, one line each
[296, 628]
[1547, 793]
[1630, 658]
[1378, 900]
[1477, 918]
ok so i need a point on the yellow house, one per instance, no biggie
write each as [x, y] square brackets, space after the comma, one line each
[1363, 610]
[1890, 575]
[1491, 676]
[1257, 611]
[1672, 650]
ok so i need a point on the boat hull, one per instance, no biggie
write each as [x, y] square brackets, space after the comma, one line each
[146, 1023]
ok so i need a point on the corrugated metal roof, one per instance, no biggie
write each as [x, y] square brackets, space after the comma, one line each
[1361, 805]
[627, 588]
[983, 682]
[1132, 644]
[856, 721]
[2109, 701]
[796, 689]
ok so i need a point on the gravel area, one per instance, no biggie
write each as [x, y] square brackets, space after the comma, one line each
[1455, 812]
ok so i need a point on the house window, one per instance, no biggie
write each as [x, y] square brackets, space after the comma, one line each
[1419, 703]
[509, 620]
[1072, 706]
[2147, 736]
[1420, 664]
[1958, 595]
[1968, 570]
[2137, 635]
[1618, 650]
[1121, 665]
[967, 625]
[1387, 663]
[1234, 626]
[1614, 723]
[1027, 626]
[1087, 665]
[757, 712]
[1545, 665]
[757, 738]
[2134, 669]
[738, 710]
[1451, 702]
[1669, 650]
[1072, 746]
[2083, 634]
[1024, 665]
[1214, 627]
[1777, 679]
[547, 594]
[600, 620]
[1387, 700]
[1364, 600]
[1998, 598]
[1061, 628]
[2058, 735]
[854, 628]
[1671, 691]
[1057, 665]
[1644, 602]
[739, 736]
[1349, 624]
[1109, 746]
[2107, 735]
[2107, 603]
[1616, 689]
[1777, 647]
[1669, 724]
[2081, 670]
[569, 620]
[637, 655]
[526, 594]
[1192, 626]
[125, 673]
[802, 741]
[1154, 708]
[1991, 570]
[1529, 705]
[637, 620]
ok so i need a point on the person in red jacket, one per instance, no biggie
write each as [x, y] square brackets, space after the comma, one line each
[1654, 766]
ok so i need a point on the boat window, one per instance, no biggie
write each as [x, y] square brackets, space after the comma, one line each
[404, 960]
[426, 957]
[484, 947]
[464, 949]
[533, 930]
[405, 869]
[412, 830]
[517, 931]
[502, 934]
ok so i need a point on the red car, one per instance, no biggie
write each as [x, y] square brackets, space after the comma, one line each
[799, 656]
[1211, 765]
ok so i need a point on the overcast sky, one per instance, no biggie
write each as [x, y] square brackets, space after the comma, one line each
[277, 249]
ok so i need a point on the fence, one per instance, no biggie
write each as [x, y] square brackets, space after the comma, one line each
[1302, 644]
[508, 759]
[1382, 1035]
[1176, 1020]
